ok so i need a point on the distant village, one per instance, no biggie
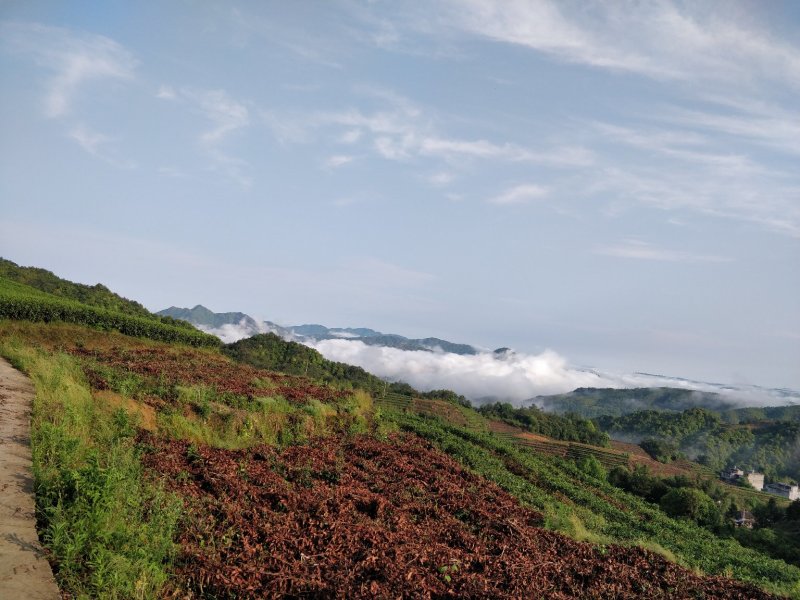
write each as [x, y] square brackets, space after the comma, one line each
[786, 490]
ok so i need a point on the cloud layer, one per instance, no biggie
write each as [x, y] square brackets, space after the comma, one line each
[513, 377]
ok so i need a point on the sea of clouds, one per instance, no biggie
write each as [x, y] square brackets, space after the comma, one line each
[511, 377]
[514, 377]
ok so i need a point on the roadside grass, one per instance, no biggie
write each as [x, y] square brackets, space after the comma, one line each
[110, 530]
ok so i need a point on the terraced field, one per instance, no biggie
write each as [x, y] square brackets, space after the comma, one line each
[454, 415]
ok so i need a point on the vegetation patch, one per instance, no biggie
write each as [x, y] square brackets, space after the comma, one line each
[109, 529]
[361, 518]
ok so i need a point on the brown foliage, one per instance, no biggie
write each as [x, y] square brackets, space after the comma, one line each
[361, 518]
[187, 367]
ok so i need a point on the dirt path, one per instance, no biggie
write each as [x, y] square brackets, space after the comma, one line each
[24, 570]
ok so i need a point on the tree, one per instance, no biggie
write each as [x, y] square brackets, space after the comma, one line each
[693, 504]
[591, 466]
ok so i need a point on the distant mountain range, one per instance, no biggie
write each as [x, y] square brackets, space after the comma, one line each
[233, 326]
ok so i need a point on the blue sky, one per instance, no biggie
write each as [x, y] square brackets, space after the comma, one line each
[618, 182]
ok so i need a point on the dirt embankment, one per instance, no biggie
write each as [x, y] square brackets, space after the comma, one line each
[24, 570]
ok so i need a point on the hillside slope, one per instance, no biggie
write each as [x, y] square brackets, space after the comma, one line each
[222, 436]
[165, 470]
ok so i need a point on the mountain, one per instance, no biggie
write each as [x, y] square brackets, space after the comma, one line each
[392, 340]
[233, 326]
[322, 332]
[200, 315]
[673, 394]
[229, 326]
[595, 402]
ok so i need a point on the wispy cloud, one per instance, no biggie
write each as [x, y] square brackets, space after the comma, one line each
[749, 120]
[74, 59]
[226, 115]
[98, 145]
[662, 40]
[441, 178]
[400, 130]
[393, 274]
[166, 92]
[640, 250]
[520, 194]
[338, 160]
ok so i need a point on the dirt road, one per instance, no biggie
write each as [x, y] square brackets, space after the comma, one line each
[24, 570]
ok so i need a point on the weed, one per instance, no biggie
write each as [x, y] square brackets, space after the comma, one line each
[109, 530]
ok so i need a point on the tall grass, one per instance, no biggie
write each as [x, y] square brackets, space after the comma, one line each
[110, 531]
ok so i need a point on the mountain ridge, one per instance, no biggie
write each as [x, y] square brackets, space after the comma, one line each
[233, 326]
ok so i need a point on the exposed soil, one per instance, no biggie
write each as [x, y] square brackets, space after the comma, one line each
[362, 518]
[24, 570]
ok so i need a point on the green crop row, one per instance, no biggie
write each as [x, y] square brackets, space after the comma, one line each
[20, 302]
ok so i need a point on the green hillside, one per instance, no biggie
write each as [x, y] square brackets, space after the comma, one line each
[596, 402]
[771, 447]
[22, 302]
[164, 470]
[98, 295]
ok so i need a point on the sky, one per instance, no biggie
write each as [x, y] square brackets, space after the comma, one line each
[615, 183]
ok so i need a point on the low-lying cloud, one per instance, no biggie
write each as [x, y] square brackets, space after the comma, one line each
[510, 377]
[233, 332]
[513, 377]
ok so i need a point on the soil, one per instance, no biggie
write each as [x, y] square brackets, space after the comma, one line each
[24, 570]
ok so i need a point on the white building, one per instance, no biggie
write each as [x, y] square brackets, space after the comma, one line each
[787, 490]
[753, 478]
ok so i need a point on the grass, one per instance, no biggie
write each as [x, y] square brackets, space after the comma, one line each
[110, 531]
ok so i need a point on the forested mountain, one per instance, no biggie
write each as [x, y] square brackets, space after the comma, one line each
[596, 402]
[772, 447]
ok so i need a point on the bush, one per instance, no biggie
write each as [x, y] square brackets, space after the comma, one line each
[693, 504]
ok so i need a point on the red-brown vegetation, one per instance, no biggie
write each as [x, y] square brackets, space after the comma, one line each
[187, 367]
[361, 518]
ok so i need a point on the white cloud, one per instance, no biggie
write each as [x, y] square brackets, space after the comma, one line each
[749, 120]
[73, 58]
[640, 250]
[87, 139]
[338, 160]
[662, 40]
[514, 377]
[351, 136]
[98, 145]
[441, 178]
[166, 92]
[520, 194]
[226, 116]
[402, 131]
[226, 113]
